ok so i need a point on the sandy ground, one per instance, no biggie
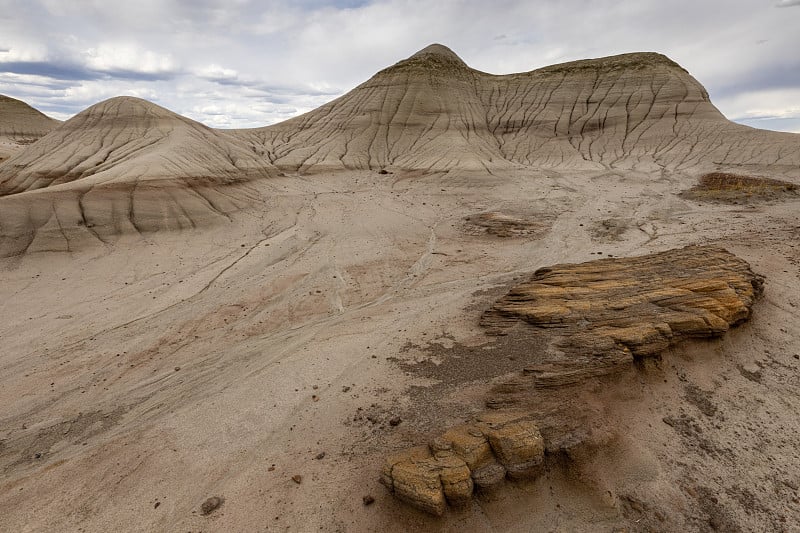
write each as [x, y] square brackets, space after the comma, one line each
[141, 377]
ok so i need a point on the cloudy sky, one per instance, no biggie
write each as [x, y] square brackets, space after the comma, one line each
[245, 63]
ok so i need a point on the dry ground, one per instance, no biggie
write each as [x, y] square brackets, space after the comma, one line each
[141, 377]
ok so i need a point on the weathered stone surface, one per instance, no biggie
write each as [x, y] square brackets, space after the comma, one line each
[488, 476]
[724, 187]
[478, 454]
[455, 476]
[428, 482]
[518, 445]
[607, 313]
[471, 444]
[611, 311]
[508, 225]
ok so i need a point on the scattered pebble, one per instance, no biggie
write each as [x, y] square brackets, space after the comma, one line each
[347, 389]
[320, 456]
[297, 479]
[395, 421]
[211, 505]
[368, 500]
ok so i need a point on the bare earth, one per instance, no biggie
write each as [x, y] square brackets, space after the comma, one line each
[205, 313]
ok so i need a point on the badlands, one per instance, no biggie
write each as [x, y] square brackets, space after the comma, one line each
[560, 300]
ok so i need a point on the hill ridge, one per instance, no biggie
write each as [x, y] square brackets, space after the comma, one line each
[433, 112]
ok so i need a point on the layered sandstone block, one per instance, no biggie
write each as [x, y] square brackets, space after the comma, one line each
[639, 304]
[479, 454]
[604, 314]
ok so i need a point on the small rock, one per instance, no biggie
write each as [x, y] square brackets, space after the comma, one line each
[177, 368]
[320, 456]
[297, 479]
[395, 421]
[345, 389]
[271, 468]
[211, 505]
[155, 505]
[751, 371]
[368, 500]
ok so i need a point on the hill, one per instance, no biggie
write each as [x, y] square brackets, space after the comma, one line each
[124, 165]
[431, 111]
[20, 125]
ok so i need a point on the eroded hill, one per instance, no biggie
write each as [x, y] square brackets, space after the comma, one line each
[431, 111]
[20, 125]
[428, 113]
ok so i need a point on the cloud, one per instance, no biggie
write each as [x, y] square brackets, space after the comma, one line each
[788, 3]
[115, 58]
[48, 70]
[242, 63]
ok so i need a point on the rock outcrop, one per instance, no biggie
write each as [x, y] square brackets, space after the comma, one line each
[610, 311]
[602, 315]
[725, 187]
[507, 224]
[479, 454]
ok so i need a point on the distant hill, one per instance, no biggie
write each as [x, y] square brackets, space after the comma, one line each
[20, 125]
[432, 111]
[127, 165]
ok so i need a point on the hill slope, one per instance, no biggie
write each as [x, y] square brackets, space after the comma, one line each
[127, 165]
[432, 111]
[124, 165]
[126, 139]
[20, 125]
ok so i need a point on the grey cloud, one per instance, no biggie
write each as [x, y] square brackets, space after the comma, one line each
[788, 3]
[78, 72]
[772, 123]
[780, 76]
[49, 70]
[138, 75]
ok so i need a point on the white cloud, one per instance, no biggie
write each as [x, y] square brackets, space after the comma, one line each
[109, 57]
[216, 72]
[24, 51]
[787, 3]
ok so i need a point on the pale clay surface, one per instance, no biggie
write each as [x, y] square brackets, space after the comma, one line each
[184, 308]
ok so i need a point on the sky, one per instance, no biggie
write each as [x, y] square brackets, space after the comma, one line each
[250, 63]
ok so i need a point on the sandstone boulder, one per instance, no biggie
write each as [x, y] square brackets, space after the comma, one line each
[611, 311]
[480, 454]
[426, 481]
